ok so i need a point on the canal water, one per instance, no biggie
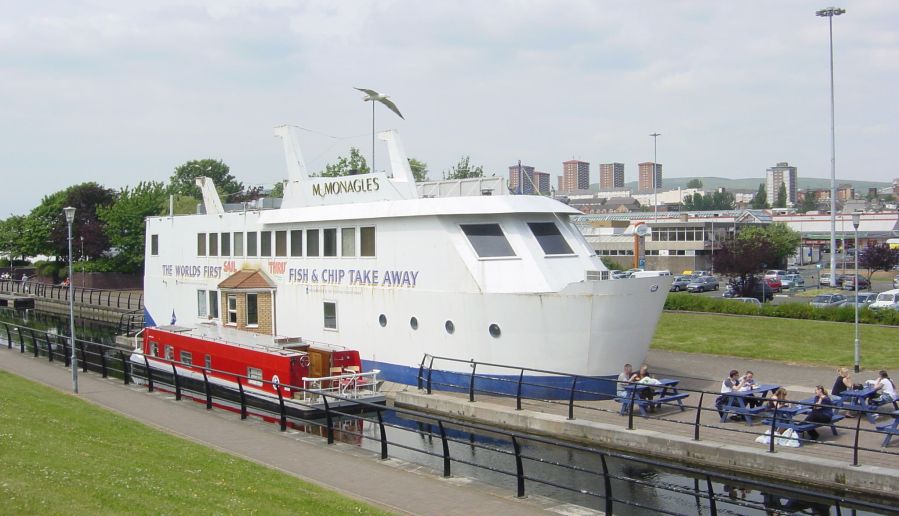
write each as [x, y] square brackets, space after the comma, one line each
[490, 459]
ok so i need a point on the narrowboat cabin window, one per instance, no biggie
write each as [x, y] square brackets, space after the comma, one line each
[348, 242]
[154, 245]
[266, 243]
[252, 310]
[213, 244]
[367, 241]
[201, 244]
[226, 244]
[208, 361]
[312, 242]
[214, 304]
[154, 349]
[254, 376]
[187, 358]
[169, 353]
[296, 242]
[202, 310]
[238, 244]
[488, 240]
[280, 243]
[550, 238]
[330, 315]
[232, 309]
[330, 241]
[251, 243]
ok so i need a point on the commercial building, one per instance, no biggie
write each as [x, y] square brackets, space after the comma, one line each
[575, 176]
[781, 174]
[531, 180]
[646, 182]
[611, 175]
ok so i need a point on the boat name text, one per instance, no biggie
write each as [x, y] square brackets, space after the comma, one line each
[367, 184]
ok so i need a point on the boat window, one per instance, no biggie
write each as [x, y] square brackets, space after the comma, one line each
[201, 244]
[280, 243]
[296, 242]
[187, 358]
[154, 245]
[488, 240]
[208, 361]
[252, 237]
[494, 331]
[214, 304]
[549, 238]
[238, 244]
[226, 244]
[169, 353]
[252, 309]
[312, 242]
[254, 376]
[382, 320]
[330, 315]
[265, 243]
[413, 322]
[202, 311]
[450, 327]
[329, 246]
[213, 244]
[232, 309]
[348, 242]
[154, 349]
[367, 241]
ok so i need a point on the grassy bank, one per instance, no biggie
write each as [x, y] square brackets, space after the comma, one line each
[769, 338]
[61, 455]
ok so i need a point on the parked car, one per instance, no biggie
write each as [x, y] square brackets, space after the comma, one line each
[747, 300]
[824, 280]
[616, 274]
[775, 273]
[793, 270]
[864, 299]
[828, 300]
[792, 281]
[680, 283]
[774, 284]
[702, 284]
[847, 281]
[888, 299]
[699, 274]
[896, 281]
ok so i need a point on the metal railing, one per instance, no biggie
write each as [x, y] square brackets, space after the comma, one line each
[568, 397]
[119, 299]
[524, 458]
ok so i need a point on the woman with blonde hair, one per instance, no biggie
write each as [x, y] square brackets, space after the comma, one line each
[843, 382]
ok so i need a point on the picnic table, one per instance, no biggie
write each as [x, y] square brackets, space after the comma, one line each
[860, 399]
[786, 418]
[890, 429]
[663, 392]
[738, 402]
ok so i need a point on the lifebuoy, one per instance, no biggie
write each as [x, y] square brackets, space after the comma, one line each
[304, 360]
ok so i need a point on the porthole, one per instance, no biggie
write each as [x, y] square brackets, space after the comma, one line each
[450, 327]
[494, 331]
[413, 322]
[382, 320]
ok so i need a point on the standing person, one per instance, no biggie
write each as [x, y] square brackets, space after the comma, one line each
[623, 378]
[822, 411]
[842, 382]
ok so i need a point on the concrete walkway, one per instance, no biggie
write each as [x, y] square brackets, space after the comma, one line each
[392, 484]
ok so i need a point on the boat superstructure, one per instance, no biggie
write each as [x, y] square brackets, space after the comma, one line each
[395, 269]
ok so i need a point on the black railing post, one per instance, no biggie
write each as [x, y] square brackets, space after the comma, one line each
[607, 482]
[773, 427]
[243, 398]
[446, 455]
[430, 370]
[474, 367]
[713, 505]
[21, 339]
[571, 400]
[329, 419]
[698, 414]
[518, 391]
[176, 381]
[858, 423]
[281, 404]
[207, 391]
[125, 368]
[49, 346]
[421, 370]
[519, 467]
[8, 337]
[83, 355]
[103, 362]
[149, 375]
[65, 350]
[630, 408]
[383, 432]
[34, 343]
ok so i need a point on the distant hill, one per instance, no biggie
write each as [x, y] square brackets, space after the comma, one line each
[751, 184]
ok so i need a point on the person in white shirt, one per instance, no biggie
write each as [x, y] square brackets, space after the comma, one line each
[886, 387]
[623, 378]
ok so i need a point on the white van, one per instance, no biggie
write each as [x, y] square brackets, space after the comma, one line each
[650, 274]
[888, 299]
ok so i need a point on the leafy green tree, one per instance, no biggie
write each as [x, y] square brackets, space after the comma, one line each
[760, 201]
[781, 201]
[464, 170]
[808, 202]
[182, 181]
[721, 200]
[12, 242]
[277, 190]
[783, 241]
[694, 183]
[87, 199]
[345, 165]
[124, 222]
[39, 223]
[419, 170]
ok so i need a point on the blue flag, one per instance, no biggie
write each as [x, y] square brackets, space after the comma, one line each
[174, 319]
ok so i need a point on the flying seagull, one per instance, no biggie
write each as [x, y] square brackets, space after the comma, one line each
[372, 95]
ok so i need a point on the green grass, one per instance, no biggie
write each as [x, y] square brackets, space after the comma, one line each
[786, 340]
[60, 455]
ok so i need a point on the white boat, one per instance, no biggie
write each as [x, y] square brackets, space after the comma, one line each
[397, 270]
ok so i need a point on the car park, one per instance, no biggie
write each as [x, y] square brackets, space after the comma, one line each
[828, 300]
[680, 283]
[702, 284]
[864, 299]
[792, 281]
[824, 280]
[847, 281]
[885, 300]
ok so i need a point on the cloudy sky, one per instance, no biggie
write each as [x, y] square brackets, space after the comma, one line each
[119, 92]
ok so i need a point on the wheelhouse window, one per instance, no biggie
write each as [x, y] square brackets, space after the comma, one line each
[169, 353]
[266, 243]
[252, 237]
[213, 244]
[201, 244]
[312, 242]
[226, 244]
[296, 242]
[154, 245]
[330, 309]
[550, 238]
[252, 309]
[254, 376]
[232, 309]
[348, 242]
[280, 243]
[202, 310]
[367, 241]
[187, 358]
[214, 304]
[329, 236]
[488, 240]
[238, 244]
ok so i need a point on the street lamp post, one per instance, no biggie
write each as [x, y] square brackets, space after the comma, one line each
[70, 217]
[655, 159]
[856, 218]
[829, 13]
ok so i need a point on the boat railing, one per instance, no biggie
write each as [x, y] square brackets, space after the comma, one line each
[351, 385]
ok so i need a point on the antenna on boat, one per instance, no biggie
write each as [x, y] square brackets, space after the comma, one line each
[296, 167]
[210, 196]
[373, 96]
[399, 163]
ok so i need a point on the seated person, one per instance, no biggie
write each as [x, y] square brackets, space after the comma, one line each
[647, 393]
[778, 399]
[886, 387]
[623, 378]
[822, 411]
[730, 384]
[747, 383]
[842, 382]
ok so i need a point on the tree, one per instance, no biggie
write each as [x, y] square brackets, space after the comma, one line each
[694, 183]
[277, 190]
[808, 202]
[87, 199]
[721, 200]
[182, 181]
[741, 259]
[760, 201]
[419, 170]
[878, 258]
[355, 163]
[781, 201]
[38, 224]
[124, 222]
[12, 242]
[783, 241]
[464, 170]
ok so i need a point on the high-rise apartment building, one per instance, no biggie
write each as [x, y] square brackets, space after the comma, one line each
[781, 174]
[531, 181]
[611, 176]
[645, 181]
[575, 175]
